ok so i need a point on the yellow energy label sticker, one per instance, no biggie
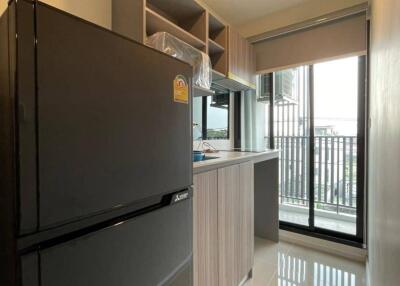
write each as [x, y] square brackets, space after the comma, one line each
[181, 89]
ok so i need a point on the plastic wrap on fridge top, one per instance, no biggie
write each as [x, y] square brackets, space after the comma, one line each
[177, 48]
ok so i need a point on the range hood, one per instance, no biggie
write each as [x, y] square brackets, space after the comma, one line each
[222, 84]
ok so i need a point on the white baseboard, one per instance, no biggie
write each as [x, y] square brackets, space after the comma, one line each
[330, 247]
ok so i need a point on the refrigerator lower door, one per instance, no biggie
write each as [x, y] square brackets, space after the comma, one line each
[149, 250]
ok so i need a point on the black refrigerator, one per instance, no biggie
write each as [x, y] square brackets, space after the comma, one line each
[95, 155]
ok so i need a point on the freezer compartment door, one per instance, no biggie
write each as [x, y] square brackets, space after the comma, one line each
[109, 130]
[152, 249]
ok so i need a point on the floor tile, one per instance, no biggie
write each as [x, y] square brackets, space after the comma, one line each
[268, 251]
[263, 272]
[284, 264]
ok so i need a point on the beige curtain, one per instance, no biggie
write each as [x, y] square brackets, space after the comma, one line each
[339, 38]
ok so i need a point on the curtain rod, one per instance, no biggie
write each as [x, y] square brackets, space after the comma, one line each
[347, 12]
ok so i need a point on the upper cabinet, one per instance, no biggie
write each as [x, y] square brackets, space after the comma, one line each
[231, 55]
[242, 61]
[237, 64]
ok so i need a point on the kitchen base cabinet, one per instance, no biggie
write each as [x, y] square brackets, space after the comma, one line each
[228, 225]
[205, 230]
[223, 225]
[246, 219]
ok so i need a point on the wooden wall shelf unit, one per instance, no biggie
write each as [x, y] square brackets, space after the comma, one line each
[199, 91]
[216, 75]
[218, 44]
[214, 47]
[156, 23]
[186, 15]
[231, 55]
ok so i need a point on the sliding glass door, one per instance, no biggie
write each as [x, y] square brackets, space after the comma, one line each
[291, 127]
[318, 124]
[335, 145]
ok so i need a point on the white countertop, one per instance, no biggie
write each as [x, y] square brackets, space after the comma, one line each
[226, 158]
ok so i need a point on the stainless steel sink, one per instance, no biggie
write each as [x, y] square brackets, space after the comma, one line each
[209, 158]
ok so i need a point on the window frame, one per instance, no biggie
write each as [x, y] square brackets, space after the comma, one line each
[204, 119]
[357, 240]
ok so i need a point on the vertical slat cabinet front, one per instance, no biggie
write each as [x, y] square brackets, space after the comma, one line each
[246, 219]
[251, 64]
[228, 227]
[241, 64]
[205, 230]
[235, 49]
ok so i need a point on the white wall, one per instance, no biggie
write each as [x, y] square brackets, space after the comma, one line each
[96, 11]
[384, 169]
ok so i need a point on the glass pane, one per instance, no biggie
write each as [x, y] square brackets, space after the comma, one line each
[218, 117]
[335, 169]
[263, 97]
[291, 135]
[197, 118]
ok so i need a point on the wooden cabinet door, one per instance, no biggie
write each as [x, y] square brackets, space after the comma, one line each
[228, 227]
[235, 222]
[241, 60]
[205, 229]
[246, 219]
[223, 237]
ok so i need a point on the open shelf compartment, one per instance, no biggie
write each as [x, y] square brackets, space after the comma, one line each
[157, 23]
[214, 47]
[180, 16]
[218, 44]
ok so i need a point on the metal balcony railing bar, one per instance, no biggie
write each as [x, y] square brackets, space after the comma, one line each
[307, 200]
[335, 171]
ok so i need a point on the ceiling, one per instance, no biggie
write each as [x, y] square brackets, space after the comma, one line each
[240, 12]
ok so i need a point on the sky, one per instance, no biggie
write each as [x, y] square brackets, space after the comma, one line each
[335, 95]
[217, 117]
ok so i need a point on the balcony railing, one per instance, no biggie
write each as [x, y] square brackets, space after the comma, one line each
[335, 169]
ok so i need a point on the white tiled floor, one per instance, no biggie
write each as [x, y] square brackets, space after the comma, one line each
[283, 264]
[322, 222]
